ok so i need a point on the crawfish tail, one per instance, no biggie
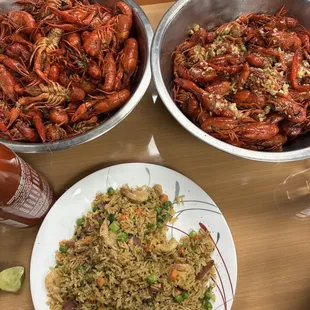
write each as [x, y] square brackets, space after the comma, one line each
[112, 103]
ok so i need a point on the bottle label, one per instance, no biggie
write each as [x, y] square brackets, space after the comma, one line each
[33, 196]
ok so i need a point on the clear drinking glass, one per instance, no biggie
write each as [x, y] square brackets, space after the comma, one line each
[292, 196]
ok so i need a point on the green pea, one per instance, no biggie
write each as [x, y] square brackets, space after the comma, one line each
[111, 191]
[178, 298]
[167, 204]
[150, 304]
[158, 210]
[160, 225]
[111, 218]
[79, 268]
[122, 237]
[208, 294]
[114, 227]
[150, 225]
[207, 305]
[95, 208]
[165, 216]
[80, 221]
[160, 219]
[63, 248]
[192, 234]
[151, 279]
[185, 295]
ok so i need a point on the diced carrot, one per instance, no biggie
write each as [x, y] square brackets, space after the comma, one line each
[100, 282]
[88, 240]
[173, 274]
[124, 217]
[163, 198]
[148, 248]
[92, 298]
[139, 211]
[181, 251]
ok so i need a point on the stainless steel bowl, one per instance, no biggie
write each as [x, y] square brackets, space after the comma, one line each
[173, 29]
[143, 32]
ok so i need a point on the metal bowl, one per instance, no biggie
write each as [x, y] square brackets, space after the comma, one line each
[173, 29]
[142, 31]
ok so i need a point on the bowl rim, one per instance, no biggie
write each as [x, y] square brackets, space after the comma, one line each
[24, 147]
[190, 126]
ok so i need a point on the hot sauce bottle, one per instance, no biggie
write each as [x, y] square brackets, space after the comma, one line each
[25, 196]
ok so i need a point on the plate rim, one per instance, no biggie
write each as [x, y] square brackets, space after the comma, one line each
[234, 254]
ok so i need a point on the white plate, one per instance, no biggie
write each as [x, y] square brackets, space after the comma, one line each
[198, 207]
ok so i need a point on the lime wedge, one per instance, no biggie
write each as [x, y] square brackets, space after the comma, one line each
[11, 279]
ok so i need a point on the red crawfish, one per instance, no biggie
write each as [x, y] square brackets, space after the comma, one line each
[99, 106]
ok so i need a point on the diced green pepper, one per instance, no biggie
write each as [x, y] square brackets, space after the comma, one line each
[82, 283]
[122, 237]
[95, 208]
[79, 268]
[150, 225]
[63, 248]
[114, 227]
[151, 279]
[100, 221]
[111, 218]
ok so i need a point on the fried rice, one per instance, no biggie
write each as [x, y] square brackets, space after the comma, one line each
[119, 258]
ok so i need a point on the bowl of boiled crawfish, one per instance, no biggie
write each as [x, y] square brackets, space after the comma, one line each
[240, 73]
[69, 70]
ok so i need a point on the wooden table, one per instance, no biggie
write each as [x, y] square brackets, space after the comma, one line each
[272, 246]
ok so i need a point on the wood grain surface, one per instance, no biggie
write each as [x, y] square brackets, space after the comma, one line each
[272, 244]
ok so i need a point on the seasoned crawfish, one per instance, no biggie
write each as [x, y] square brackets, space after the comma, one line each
[195, 54]
[55, 132]
[65, 67]
[52, 95]
[42, 48]
[246, 82]
[87, 125]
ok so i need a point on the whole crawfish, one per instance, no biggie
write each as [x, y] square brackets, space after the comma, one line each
[42, 48]
[123, 21]
[65, 65]
[104, 105]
